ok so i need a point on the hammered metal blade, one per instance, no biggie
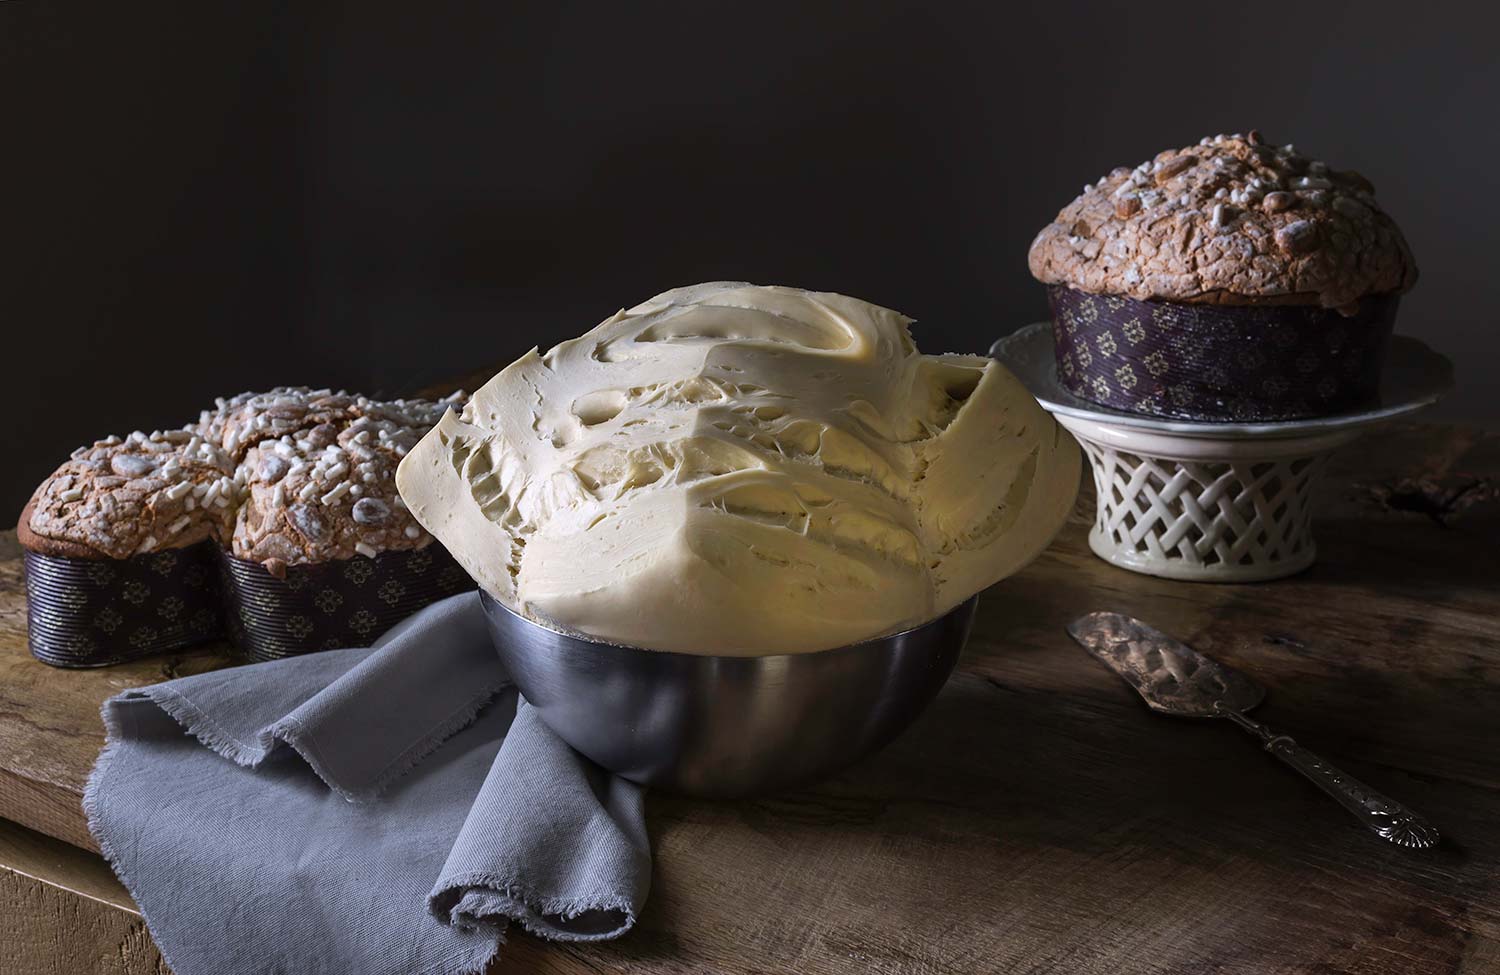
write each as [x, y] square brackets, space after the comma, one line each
[1171, 677]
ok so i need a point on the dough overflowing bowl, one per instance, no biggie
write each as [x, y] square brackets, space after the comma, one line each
[727, 726]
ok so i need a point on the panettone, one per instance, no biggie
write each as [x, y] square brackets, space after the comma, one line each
[1228, 280]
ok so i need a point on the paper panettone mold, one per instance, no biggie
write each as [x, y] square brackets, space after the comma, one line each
[1216, 362]
[1228, 280]
[154, 542]
[328, 605]
[97, 612]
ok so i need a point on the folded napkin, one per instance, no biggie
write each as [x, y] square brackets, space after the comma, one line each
[384, 809]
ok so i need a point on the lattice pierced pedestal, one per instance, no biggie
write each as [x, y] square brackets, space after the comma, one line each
[1227, 511]
[1212, 502]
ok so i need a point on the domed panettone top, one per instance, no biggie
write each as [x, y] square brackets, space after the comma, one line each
[1232, 221]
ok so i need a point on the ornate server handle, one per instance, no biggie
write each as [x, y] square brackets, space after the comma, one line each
[1386, 817]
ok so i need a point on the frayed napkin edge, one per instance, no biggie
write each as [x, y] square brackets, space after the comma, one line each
[442, 904]
[290, 732]
[468, 962]
[294, 734]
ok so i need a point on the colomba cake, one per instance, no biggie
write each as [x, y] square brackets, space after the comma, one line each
[276, 513]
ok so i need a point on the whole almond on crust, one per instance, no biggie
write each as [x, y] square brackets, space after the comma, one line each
[1210, 223]
[1298, 237]
[1174, 166]
[1279, 201]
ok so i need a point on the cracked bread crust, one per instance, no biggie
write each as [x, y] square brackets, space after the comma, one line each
[330, 492]
[240, 422]
[119, 498]
[1230, 221]
[218, 479]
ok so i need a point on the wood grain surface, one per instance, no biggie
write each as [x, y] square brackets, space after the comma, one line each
[1038, 818]
[63, 913]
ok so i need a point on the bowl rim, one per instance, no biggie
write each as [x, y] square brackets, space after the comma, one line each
[486, 600]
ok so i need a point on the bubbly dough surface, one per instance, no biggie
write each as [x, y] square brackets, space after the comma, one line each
[742, 470]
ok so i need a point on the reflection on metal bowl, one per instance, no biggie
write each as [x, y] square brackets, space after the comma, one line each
[727, 726]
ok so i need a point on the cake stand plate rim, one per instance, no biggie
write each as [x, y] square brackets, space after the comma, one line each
[1415, 377]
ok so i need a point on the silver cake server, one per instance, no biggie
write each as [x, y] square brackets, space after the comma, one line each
[1176, 679]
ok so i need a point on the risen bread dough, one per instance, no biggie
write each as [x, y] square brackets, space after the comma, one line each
[741, 470]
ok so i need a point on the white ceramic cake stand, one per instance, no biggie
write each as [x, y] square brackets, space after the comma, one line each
[1212, 502]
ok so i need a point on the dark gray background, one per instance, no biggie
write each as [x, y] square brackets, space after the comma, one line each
[207, 197]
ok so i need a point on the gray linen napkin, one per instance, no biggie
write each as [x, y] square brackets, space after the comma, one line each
[380, 810]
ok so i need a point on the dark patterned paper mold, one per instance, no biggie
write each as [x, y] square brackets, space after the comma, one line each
[330, 605]
[95, 612]
[1217, 362]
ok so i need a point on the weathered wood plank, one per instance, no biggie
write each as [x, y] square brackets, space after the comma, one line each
[63, 913]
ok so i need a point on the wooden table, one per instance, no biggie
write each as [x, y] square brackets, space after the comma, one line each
[1038, 818]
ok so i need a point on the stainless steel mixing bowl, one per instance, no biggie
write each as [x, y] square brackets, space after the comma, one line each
[726, 726]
